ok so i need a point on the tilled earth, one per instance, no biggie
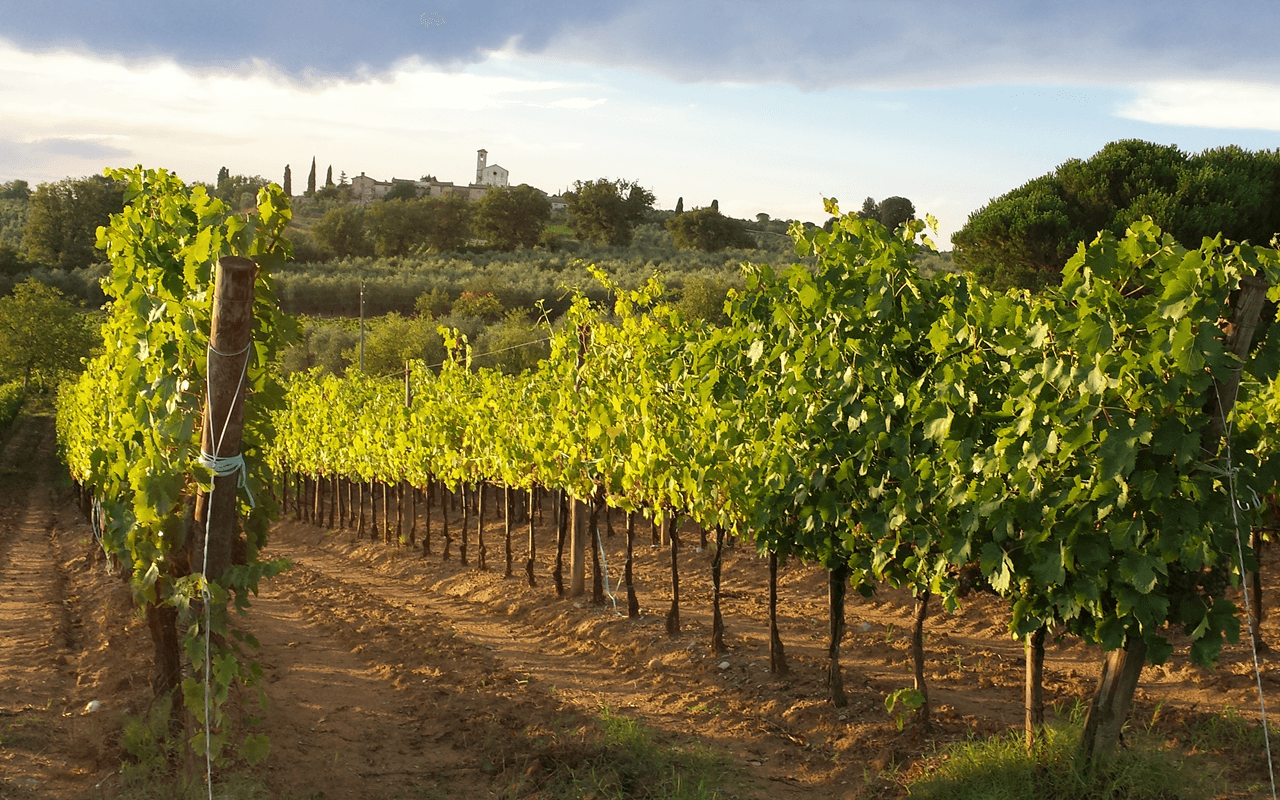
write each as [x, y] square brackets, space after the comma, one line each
[394, 675]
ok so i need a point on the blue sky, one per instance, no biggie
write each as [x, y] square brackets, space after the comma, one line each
[762, 106]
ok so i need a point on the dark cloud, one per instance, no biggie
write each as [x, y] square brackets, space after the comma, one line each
[813, 44]
[302, 39]
[41, 150]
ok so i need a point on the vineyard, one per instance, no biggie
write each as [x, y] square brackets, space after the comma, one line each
[1088, 463]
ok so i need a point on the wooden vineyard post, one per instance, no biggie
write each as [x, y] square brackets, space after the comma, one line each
[1034, 686]
[673, 614]
[230, 338]
[777, 657]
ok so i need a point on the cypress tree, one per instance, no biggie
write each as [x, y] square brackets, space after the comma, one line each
[288, 182]
[679, 205]
[311, 179]
[328, 177]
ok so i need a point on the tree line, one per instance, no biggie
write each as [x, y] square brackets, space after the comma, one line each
[1024, 237]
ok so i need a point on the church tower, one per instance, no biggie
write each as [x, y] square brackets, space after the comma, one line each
[482, 156]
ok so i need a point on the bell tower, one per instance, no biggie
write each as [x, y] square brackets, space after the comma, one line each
[482, 156]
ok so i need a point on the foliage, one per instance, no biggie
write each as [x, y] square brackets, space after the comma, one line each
[341, 231]
[478, 304]
[514, 345]
[702, 300]
[605, 211]
[322, 346]
[129, 427]
[13, 219]
[1025, 237]
[311, 179]
[510, 217]
[519, 279]
[63, 218]
[393, 340]
[398, 227]
[11, 397]
[402, 190]
[856, 415]
[288, 181]
[896, 210]
[15, 190]
[43, 336]
[232, 189]
[707, 229]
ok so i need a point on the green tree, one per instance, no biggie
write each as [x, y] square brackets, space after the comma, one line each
[288, 181]
[478, 304]
[605, 211]
[709, 230]
[450, 225]
[402, 190]
[328, 178]
[323, 344]
[341, 230]
[870, 209]
[311, 179]
[15, 190]
[397, 227]
[393, 340]
[896, 210]
[433, 304]
[514, 345]
[63, 219]
[1024, 237]
[702, 300]
[510, 217]
[238, 191]
[679, 205]
[43, 336]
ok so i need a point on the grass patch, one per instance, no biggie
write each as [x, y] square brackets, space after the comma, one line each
[999, 768]
[623, 759]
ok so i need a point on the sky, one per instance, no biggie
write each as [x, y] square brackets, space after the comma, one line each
[764, 106]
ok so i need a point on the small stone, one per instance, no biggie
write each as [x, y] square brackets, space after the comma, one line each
[92, 706]
[756, 764]
[843, 716]
[724, 665]
[864, 627]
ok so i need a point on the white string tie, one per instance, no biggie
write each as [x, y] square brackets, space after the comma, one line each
[230, 465]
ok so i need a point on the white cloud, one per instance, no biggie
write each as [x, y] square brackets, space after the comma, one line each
[577, 102]
[1207, 104]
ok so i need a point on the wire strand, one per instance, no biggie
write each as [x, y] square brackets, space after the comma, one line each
[1248, 608]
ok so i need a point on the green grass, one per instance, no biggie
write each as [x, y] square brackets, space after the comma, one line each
[999, 768]
[627, 760]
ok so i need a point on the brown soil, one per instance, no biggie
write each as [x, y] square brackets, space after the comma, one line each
[391, 675]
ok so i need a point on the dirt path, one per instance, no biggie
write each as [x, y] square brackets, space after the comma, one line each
[40, 725]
